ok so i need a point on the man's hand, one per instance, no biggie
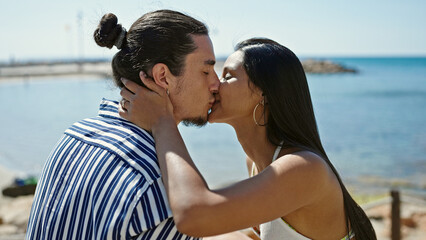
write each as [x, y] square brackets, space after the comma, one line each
[145, 107]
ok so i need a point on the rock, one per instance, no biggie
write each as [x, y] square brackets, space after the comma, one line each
[16, 212]
[324, 66]
[7, 229]
[379, 212]
[408, 222]
[420, 220]
[15, 191]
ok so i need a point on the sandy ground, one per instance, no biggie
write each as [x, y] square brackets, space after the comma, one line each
[413, 219]
[14, 213]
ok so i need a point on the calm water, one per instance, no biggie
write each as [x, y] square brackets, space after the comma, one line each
[372, 123]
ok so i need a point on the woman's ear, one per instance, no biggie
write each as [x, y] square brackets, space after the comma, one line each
[265, 100]
[160, 72]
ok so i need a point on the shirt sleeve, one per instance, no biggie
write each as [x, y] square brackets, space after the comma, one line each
[151, 209]
[152, 217]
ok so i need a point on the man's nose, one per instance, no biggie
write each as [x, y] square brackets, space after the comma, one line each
[215, 83]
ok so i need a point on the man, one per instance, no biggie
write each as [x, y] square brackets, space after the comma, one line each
[102, 181]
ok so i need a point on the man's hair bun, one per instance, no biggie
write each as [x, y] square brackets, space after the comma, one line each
[109, 32]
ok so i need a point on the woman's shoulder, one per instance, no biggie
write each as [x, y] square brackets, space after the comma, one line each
[309, 165]
[302, 158]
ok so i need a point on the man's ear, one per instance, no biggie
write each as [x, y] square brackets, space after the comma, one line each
[160, 72]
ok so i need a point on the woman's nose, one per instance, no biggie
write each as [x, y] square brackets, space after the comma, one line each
[215, 83]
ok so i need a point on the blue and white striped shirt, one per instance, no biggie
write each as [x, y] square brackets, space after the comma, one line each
[102, 181]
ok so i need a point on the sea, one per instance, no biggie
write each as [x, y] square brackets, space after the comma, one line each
[372, 123]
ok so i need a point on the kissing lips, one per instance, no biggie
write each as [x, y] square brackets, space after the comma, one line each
[213, 107]
[211, 104]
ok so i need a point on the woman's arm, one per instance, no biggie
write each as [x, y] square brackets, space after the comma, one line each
[237, 235]
[199, 211]
[290, 183]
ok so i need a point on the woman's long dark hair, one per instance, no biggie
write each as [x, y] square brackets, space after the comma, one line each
[277, 71]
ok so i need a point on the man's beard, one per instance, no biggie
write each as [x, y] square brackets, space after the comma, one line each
[196, 122]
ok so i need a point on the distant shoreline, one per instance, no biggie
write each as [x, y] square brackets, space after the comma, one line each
[33, 70]
[36, 61]
[101, 68]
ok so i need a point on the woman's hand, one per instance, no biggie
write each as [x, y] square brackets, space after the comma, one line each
[146, 108]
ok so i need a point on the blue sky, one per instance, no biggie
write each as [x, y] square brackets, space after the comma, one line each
[48, 29]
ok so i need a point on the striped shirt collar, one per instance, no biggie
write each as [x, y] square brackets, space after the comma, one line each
[110, 131]
[109, 109]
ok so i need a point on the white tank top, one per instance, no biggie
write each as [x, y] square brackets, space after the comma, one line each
[278, 229]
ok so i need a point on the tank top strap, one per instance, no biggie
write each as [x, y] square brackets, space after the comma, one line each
[277, 151]
[253, 167]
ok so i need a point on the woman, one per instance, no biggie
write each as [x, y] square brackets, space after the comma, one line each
[294, 192]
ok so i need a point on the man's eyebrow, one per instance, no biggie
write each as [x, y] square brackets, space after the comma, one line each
[210, 62]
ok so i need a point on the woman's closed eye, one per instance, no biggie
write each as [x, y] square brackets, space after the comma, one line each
[227, 77]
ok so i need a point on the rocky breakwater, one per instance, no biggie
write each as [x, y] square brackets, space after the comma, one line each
[27, 70]
[325, 66]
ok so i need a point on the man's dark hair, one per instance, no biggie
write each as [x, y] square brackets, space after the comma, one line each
[162, 36]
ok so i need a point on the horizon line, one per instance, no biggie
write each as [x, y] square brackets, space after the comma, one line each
[218, 58]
